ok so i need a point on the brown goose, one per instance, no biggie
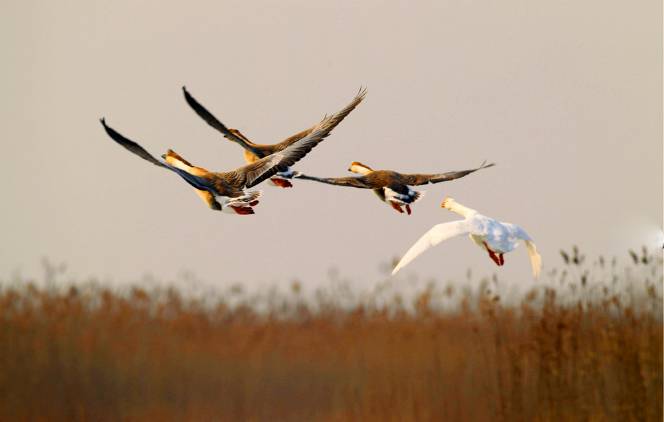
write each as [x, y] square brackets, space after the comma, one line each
[230, 186]
[390, 186]
[252, 151]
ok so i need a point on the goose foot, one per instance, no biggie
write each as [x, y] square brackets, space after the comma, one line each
[396, 207]
[242, 210]
[408, 209]
[282, 183]
[492, 255]
[502, 260]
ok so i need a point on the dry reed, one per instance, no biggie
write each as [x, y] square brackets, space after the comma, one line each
[89, 353]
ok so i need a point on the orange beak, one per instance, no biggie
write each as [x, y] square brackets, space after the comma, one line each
[442, 204]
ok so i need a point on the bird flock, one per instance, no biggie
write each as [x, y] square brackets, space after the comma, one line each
[229, 191]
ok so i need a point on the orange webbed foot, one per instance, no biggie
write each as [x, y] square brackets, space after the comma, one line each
[282, 183]
[396, 206]
[492, 255]
[242, 210]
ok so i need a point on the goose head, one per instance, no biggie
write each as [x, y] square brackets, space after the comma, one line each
[359, 168]
[447, 203]
[173, 157]
[175, 160]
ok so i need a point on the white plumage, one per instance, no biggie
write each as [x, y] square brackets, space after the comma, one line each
[496, 237]
[403, 199]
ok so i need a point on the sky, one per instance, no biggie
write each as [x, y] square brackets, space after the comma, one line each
[565, 97]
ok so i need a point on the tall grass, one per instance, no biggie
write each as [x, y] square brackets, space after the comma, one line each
[90, 353]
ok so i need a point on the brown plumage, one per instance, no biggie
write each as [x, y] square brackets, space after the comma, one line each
[253, 151]
[231, 185]
[390, 186]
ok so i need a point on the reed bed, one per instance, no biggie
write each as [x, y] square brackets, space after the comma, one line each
[85, 352]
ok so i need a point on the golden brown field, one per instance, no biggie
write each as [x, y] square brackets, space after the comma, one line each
[89, 353]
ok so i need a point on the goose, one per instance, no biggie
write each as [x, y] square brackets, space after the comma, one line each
[254, 152]
[390, 186]
[496, 237]
[230, 187]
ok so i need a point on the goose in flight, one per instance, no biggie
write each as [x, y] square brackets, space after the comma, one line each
[496, 237]
[254, 152]
[390, 186]
[230, 187]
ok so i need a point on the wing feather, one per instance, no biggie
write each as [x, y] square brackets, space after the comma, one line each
[423, 179]
[433, 237]
[131, 146]
[354, 182]
[340, 116]
[293, 138]
[215, 123]
[535, 258]
[197, 182]
[260, 170]
[533, 255]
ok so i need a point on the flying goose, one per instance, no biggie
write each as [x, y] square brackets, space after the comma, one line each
[254, 152]
[230, 186]
[496, 237]
[390, 186]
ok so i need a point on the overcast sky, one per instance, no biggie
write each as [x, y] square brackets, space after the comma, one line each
[565, 96]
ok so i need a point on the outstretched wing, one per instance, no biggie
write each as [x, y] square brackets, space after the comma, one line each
[423, 179]
[340, 116]
[229, 134]
[197, 182]
[132, 146]
[256, 172]
[353, 182]
[434, 236]
[293, 138]
[535, 258]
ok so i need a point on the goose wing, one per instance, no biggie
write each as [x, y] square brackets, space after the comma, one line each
[256, 172]
[423, 179]
[197, 182]
[434, 236]
[533, 255]
[230, 134]
[339, 116]
[353, 182]
[132, 146]
[535, 258]
[293, 138]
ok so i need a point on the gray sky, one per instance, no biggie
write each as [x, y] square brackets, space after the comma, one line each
[565, 96]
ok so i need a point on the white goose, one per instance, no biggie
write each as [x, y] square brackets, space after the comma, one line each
[496, 237]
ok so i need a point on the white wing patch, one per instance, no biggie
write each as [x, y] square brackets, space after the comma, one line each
[535, 258]
[400, 198]
[434, 236]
